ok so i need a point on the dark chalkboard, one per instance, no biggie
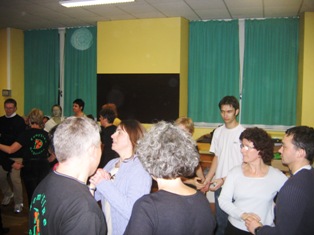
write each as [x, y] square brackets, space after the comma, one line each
[145, 97]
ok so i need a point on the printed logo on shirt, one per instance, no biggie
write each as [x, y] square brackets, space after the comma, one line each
[39, 141]
[38, 210]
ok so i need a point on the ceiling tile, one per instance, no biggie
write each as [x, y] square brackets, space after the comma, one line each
[33, 14]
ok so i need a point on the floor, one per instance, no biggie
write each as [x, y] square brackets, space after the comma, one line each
[18, 223]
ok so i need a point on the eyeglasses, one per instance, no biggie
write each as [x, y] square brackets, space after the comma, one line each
[9, 108]
[246, 148]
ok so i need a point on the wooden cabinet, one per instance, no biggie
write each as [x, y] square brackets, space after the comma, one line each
[206, 157]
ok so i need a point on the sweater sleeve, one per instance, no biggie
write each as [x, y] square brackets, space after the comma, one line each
[226, 196]
[109, 165]
[133, 184]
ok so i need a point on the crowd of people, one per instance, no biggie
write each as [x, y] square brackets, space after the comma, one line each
[84, 177]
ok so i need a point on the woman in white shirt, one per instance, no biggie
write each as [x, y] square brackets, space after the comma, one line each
[252, 186]
[56, 118]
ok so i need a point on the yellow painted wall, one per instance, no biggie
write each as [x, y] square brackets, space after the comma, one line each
[305, 108]
[300, 72]
[3, 65]
[139, 46]
[145, 46]
[184, 45]
[13, 38]
[17, 75]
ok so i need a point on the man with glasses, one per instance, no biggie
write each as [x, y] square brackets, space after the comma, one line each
[226, 146]
[294, 209]
[11, 126]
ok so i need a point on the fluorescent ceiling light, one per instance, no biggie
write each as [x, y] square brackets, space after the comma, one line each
[81, 3]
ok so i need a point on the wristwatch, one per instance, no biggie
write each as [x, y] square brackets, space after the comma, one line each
[257, 229]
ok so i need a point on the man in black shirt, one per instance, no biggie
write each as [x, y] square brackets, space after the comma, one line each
[62, 203]
[11, 126]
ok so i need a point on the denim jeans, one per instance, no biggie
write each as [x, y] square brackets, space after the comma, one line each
[221, 216]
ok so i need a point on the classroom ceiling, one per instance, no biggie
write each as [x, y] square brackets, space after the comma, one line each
[43, 14]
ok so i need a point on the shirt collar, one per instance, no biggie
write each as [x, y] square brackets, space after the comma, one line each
[307, 167]
[13, 114]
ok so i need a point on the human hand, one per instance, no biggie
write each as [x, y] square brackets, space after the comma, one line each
[51, 158]
[251, 224]
[17, 165]
[206, 184]
[100, 175]
[198, 182]
[92, 188]
[216, 184]
[252, 216]
[205, 187]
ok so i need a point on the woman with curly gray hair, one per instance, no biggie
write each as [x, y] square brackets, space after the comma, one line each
[168, 153]
[197, 179]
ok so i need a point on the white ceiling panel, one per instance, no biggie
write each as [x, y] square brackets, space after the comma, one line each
[214, 14]
[38, 14]
[251, 12]
[308, 5]
[171, 9]
[244, 3]
[282, 3]
[205, 4]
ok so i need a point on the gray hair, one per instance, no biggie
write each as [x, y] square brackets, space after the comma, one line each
[74, 136]
[166, 151]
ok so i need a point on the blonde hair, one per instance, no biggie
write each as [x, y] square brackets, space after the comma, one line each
[187, 123]
[36, 117]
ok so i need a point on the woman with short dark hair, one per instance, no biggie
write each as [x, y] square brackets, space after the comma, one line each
[252, 186]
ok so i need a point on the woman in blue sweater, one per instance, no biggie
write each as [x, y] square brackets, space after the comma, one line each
[123, 180]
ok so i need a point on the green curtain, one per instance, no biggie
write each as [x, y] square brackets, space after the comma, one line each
[213, 67]
[41, 69]
[80, 74]
[270, 72]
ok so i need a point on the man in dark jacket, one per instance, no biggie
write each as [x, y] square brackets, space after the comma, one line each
[294, 205]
